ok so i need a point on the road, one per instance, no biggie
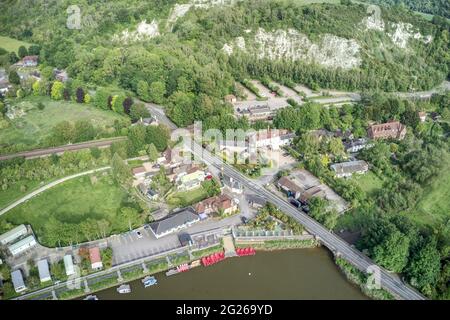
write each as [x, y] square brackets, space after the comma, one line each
[341, 248]
[70, 147]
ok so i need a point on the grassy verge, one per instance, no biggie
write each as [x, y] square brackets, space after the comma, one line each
[10, 44]
[357, 277]
[186, 198]
[271, 245]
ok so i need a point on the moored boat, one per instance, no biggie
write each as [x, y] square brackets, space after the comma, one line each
[91, 297]
[149, 281]
[125, 288]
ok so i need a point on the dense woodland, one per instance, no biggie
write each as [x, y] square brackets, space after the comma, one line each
[434, 7]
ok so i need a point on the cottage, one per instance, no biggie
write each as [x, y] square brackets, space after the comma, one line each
[30, 61]
[17, 280]
[393, 130]
[230, 98]
[22, 245]
[222, 203]
[44, 272]
[68, 265]
[289, 187]
[61, 75]
[233, 185]
[347, 169]
[190, 179]
[312, 193]
[95, 257]
[270, 138]
[357, 145]
[13, 234]
[175, 222]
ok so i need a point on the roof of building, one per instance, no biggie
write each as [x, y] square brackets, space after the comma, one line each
[13, 234]
[30, 58]
[350, 167]
[254, 199]
[138, 170]
[177, 219]
[216, 203]
[185, 239]
[312, 192]
[288, 184]
[20, 243]
[94, 255]
[44, 272]
[393, 129]
[17, 279]
[68, 264]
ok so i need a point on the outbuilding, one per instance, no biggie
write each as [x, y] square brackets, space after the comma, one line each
[22, 245]
[68, 265]
[44, 272]
[17, 280]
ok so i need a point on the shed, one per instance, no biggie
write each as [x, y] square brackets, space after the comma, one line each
[68, 265]
[17, 280]
[44, 272]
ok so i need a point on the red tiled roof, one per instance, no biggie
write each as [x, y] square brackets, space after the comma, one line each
[94, 255]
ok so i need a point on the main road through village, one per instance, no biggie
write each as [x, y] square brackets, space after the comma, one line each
[388, 281]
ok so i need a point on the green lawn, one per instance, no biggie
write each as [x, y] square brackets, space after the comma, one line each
[10, 44]
[71, 202]
[31, 129]
[186, 198]
[434, 207]
[14, 192]
[368, 182]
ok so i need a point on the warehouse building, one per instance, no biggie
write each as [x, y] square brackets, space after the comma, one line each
[13, 234]
[22, 245]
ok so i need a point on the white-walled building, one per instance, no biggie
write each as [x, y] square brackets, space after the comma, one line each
[68, 265]
[44, 272]
[22, 245]
[13, 234]
[17, 280]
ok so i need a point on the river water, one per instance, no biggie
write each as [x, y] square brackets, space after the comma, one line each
[286, 274]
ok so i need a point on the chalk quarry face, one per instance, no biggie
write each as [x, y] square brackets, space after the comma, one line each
[330, 51]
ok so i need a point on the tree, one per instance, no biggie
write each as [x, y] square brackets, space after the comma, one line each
[157, 135]
[87, 98]
[152, 152]
[424, 266]
[101, 99]
[139, 111]
[13, 58]
[120, 170]
[58, 271]
[107, 255]
[14, 77]
[84, 131]
[127, 104]
[22, 52]
[157, 91]
[57, 90]
[136, 137]
[62, 133]
[34, 50]
[40, 106]
[142, 90]
[392, 252]
[117, 103]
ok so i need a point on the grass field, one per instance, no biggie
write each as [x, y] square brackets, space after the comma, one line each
[186, 198]
[71, 202]
[434, 207]
[10, 44]
[368, 182]
[14, 192]
[32, 128]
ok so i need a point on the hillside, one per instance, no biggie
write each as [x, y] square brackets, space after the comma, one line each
[191, 53]
[434, 7]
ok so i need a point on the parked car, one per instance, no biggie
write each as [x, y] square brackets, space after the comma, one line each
[139, 234]
[244, 220]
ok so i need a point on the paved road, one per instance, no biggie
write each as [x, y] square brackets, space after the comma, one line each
[70, 147]
[388, 281]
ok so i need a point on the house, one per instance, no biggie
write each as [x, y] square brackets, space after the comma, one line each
[68, 265]
[260, 113]
[44, 272]
[96, 260]
[347, 169]
[270, 138]
[13, 234]
[178, 220]
[222, 203]
[17, 280]
[60, 75]
[190, 179]
[289, 187]
[312, 193]
[172, 158]
[230, 98]
[233, 185]
[22, 245]
[422, 116]
[139, 172]
[357, 145]
[151, 121]
[393, 130]
[30, 61]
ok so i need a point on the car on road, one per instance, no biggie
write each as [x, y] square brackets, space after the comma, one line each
[139, 234]
[244, 220]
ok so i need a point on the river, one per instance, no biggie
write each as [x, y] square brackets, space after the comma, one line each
[286, 274]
